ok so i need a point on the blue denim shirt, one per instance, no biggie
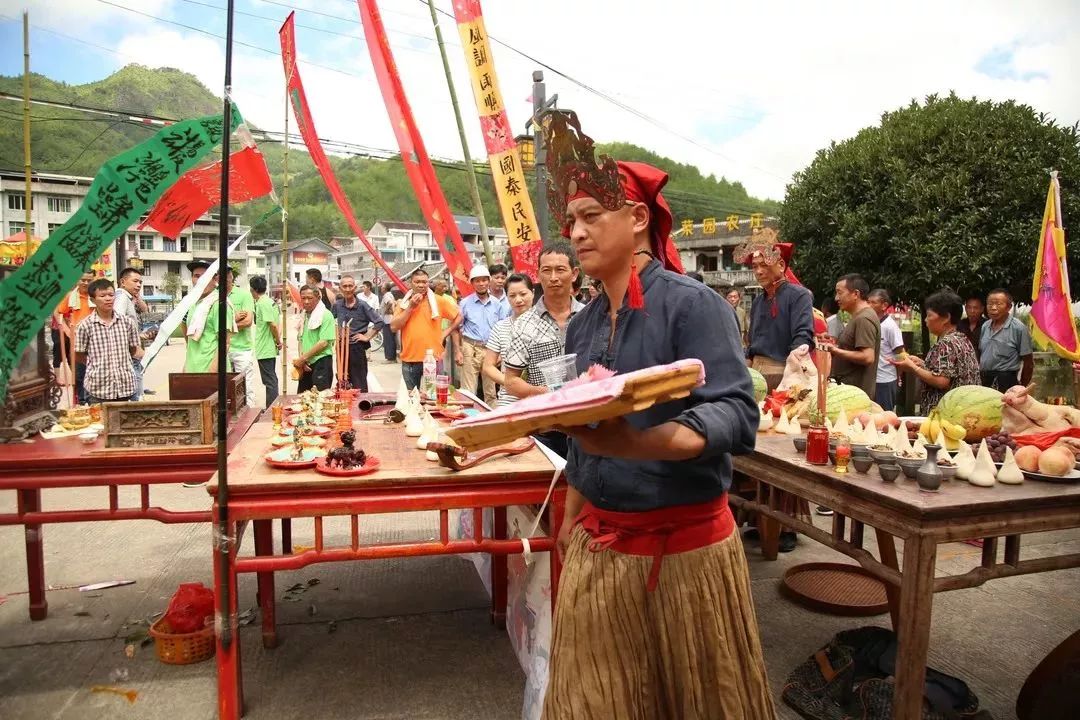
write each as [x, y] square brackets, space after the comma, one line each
[682, 319]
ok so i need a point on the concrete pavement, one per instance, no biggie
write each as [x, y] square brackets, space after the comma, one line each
[408, 639]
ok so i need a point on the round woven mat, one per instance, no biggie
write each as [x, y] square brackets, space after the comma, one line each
[835, 588]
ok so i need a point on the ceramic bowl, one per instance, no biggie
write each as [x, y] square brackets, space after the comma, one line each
[889, 473]
[884, 457]
[799, 442]
[860, 450]
[948, 472]
[910, 466]
[88, 438]
[862, 464]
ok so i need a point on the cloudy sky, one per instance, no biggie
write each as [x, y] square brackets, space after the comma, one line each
[746, 90]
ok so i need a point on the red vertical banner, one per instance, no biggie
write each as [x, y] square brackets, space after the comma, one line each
[503, 153]
[299, 103]
[413, 154]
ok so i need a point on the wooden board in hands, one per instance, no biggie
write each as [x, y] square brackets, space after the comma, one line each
[579, 404]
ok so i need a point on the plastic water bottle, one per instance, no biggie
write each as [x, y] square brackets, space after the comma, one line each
[427, 383]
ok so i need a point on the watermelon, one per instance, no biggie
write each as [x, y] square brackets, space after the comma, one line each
[849, 397]
[976, 408]
[760, 386]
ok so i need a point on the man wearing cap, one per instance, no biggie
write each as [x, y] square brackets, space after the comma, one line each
[478, 313]
[654, 617]
[781, 317]
[200, 327]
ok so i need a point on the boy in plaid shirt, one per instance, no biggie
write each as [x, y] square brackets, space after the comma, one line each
[107, 343]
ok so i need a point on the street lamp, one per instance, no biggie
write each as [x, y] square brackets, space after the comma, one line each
[527, 146]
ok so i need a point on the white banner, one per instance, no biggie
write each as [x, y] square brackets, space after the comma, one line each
[170, 323]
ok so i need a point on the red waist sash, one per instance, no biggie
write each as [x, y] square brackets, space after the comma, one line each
[657, 533]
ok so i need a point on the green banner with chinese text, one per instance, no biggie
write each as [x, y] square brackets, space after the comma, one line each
[123, 190]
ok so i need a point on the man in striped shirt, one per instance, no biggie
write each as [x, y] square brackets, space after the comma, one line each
[107, 343]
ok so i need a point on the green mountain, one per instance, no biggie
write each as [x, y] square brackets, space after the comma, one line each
[77, 143]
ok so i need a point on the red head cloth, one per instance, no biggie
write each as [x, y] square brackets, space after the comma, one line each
[642, 183]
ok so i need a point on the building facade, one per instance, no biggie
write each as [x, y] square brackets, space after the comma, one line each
[712, 254]
[55, 198]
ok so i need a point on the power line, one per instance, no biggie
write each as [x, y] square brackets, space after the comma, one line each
[588, 88]
[339, 146]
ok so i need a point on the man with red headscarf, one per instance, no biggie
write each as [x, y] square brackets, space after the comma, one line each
[654, 616]
[781, 317]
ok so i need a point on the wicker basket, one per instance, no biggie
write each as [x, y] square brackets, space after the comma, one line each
[182, 648]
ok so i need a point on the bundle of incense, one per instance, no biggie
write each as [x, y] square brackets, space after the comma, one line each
[345, 368]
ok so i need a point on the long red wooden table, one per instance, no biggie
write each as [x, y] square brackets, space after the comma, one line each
[959, 511]
[30, 467]
[405, 482]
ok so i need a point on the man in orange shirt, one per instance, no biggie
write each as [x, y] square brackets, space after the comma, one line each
[419, 318]
[72, 310]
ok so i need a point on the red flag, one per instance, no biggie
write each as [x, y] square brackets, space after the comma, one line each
[199, 190]
[299, 102]
[413, 154]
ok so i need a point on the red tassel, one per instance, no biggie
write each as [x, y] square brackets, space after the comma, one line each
[634, 292]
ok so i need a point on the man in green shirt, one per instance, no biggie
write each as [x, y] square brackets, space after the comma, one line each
[200, 328]
[240, 356]
[267, 337]
[316, 363]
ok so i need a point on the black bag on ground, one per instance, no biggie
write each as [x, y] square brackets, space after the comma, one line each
[852, 677]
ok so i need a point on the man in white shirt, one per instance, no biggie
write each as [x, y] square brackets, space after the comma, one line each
[367, 295]
[892, 345]
[129, 303]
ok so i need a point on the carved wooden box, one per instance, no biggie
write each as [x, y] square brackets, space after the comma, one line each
[191, 386]
[168, 423]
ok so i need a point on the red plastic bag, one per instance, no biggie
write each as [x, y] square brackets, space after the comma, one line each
[190, 606]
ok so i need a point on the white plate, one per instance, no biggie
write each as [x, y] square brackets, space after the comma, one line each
[1073, 476]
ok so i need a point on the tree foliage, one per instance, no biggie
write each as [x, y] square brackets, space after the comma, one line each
[947, 193]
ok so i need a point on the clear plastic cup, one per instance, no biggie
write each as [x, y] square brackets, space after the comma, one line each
[556, 372]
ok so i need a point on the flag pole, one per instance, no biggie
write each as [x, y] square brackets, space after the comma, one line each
[474, 189]
[28, 231]
[222, 546]
[285, 256]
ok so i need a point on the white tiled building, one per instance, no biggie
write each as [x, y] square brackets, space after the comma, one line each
[57, 197]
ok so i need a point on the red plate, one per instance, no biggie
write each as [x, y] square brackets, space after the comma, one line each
[370, 465]
[284, 465]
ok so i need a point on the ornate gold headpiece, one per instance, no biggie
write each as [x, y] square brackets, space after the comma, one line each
[573, 167]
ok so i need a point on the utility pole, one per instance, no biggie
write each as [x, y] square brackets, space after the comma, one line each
[539, 98]
[474, 189]
[28, 231]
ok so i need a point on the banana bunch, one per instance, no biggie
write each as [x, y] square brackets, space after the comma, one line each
[935, 425]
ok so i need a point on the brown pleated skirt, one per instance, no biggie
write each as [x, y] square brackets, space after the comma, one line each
[685, 651]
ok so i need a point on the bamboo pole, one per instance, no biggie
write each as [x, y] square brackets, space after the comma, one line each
[224, 599]
[28, 230]
[285, 374]
[474, 189]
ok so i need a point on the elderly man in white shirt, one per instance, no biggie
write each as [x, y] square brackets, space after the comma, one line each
[892, 345]
[129, 303]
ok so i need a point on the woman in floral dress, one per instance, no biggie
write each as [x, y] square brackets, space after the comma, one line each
[952, 361]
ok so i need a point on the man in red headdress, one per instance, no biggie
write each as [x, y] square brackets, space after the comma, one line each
[782, 316]
[654, 616]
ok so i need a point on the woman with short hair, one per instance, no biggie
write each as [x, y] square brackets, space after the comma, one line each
[952, 361]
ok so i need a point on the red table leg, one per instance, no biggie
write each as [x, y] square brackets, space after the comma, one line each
[498, 570]
[264, 545]
[30, 501]
[230, 678]
[286, 536]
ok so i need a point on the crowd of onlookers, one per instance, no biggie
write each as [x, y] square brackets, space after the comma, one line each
[493, 339]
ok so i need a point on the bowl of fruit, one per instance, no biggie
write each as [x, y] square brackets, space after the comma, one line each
[997, 444]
